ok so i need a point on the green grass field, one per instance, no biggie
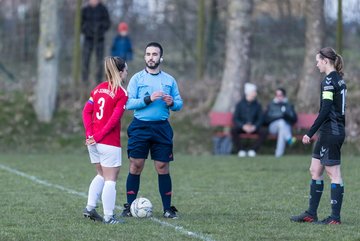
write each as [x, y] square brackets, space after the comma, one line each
[219, 198]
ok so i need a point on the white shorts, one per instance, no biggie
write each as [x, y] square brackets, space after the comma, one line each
[106, 155]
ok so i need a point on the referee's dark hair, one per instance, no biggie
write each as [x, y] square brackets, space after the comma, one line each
[157, 45]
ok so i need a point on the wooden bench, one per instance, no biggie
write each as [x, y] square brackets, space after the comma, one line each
[224, 121]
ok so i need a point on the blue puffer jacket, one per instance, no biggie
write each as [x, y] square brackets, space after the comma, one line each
[122, 48]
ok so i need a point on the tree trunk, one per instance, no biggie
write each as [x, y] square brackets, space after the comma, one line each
[48, 58]
[309, 84]
[200, 41]
[211, 48]
[77, 48]
[237, 59]
[339, 29]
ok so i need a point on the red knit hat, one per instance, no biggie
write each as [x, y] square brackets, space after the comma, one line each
[123, 27]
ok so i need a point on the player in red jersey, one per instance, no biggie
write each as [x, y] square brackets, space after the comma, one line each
[101, 117]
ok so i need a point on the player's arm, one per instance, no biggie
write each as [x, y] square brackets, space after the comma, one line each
[87, 117]
[113, 120]
[177, 100]
[327, 96]
[134, 102]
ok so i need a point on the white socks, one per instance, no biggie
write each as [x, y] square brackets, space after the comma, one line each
[108, 199]
[108, 196]
[95, 190]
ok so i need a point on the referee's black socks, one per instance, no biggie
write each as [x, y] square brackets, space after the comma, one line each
[132, 187]
[165, 189]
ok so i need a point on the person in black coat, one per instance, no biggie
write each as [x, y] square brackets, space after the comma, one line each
[280, 116]
[248, 118]
[95, 21]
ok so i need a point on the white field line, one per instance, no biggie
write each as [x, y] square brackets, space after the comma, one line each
[82, 194]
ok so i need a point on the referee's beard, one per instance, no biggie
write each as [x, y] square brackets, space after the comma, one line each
[156, 64]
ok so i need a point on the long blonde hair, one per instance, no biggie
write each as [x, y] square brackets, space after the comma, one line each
[113, 66]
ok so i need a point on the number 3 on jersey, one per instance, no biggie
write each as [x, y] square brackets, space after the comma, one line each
[100, 113]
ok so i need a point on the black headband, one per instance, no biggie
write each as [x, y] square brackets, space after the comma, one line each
[333, 59]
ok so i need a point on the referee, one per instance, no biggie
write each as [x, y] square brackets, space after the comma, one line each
[152, 94]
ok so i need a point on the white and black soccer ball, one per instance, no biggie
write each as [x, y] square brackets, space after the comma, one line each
[141, 208]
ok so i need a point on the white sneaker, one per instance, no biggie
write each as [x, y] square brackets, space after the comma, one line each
[242, 153]
[251, 153]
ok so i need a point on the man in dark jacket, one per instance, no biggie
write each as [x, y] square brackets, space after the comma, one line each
[95, 21]
[280, 116]
[248, 118]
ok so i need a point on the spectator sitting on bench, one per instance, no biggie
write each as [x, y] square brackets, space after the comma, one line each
[248, 118]
[280, 116]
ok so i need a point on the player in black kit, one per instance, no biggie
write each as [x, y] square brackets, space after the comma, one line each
[331, 125]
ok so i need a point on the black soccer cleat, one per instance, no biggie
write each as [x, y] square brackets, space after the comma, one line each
[171, 213]
[93, 215]
[126, 211]
[305, 217]
[329, 220]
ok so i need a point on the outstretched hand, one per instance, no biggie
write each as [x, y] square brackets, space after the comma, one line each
[306, 139]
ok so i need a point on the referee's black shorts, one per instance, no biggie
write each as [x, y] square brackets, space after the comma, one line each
[328, 149]
[153, 136]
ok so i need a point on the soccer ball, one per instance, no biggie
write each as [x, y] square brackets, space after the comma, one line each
[141, 208]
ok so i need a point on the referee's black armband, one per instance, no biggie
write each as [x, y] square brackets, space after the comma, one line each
[147, 100]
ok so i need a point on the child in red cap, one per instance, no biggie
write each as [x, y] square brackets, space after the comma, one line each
[121, 46]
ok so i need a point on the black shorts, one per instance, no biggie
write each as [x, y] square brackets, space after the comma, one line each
[328, 149]
[153, 136]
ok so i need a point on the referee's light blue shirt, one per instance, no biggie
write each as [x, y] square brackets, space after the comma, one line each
[144, 84]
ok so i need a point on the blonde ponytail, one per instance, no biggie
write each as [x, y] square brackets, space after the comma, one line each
[113, 66]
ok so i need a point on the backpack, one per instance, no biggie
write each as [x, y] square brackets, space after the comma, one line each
[222, 145]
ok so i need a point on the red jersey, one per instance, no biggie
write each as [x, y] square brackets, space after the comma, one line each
[102, 114]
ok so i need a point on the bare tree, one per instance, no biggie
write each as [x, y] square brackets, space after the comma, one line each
[309, 84]
[237, 60]
[48, 59]
[200, 41]
[339, 29]
[211, 47]
[77, 48]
